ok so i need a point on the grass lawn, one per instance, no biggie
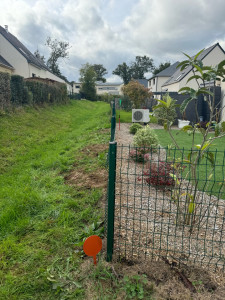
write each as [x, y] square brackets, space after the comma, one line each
[217, 148]
[53, 176]
[41, 216]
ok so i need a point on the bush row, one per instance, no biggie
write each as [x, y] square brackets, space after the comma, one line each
[19, 91]
[5, 93]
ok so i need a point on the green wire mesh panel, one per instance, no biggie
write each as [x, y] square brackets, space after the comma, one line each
[170, 203]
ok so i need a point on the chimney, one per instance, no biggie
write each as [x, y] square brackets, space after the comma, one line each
[6, 28]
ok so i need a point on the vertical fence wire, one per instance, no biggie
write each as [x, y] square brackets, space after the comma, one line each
[166, 207]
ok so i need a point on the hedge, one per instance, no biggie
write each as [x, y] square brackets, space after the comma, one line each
[47, 91]
[5, 93]
[19, 91]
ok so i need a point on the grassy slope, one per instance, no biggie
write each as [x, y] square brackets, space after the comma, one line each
[40, 216]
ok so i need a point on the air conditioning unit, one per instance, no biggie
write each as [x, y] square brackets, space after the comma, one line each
[140, 115]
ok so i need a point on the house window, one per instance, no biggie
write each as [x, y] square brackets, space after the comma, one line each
[154, 81]
[77, 86]
[149, 82]
[33, 75]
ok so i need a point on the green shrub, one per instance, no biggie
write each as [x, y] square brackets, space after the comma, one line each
[223, 126]
[44, 91]
[19, 91]
[146, 137]
[166, 110]
[135, 127]
[4, 90]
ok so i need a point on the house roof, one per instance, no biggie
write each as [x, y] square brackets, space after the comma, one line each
[168, 71]
[179, 75]
[4, 63]
[22, 49]
[144, 82]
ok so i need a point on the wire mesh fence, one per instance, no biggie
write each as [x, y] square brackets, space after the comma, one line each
[170, 203]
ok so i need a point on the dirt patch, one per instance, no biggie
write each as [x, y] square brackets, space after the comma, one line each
[87, 180]
[166, 281]
[84, 179]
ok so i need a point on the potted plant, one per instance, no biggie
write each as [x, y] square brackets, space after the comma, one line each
[183, 122]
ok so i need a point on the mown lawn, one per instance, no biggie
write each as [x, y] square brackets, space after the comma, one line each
[204, 170]
[42, 217]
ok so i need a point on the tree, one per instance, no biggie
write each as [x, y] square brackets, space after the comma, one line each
[142, 65]
[161, 67]
[136, 70]
[136, 92]
[124, 72]
[88, 78]
[39, 56]
[59, 50]
[100, 71]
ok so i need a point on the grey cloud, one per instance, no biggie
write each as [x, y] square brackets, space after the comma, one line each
[99, 34]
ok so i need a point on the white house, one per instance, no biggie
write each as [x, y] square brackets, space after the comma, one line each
[5, 66]
[209, 57]
[21, 61]
[101, 88]
[109, 88]
[76, 87]
[156, 82]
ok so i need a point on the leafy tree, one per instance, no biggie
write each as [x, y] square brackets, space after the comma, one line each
[88, 78]
[142, 65]
[39, 56]
[124, 71]
[59, 50]
[100, 71]
[161, 67]
[136, 70]
[136, 92]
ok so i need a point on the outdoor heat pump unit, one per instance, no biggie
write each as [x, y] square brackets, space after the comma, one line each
[140, 115]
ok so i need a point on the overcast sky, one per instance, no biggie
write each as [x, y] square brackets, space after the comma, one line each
[110, 32]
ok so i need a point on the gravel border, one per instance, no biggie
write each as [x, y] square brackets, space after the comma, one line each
[146, 219]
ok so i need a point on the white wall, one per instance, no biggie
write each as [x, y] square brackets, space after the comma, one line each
[223, 101]
[109, 89]
[171, 87]
[20, 64]
[5, 69]
[17, 60]
[159, 81]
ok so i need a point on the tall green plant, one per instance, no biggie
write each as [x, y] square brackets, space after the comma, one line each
[165, 110]
[201, 76]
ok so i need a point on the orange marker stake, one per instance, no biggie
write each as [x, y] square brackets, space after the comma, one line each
[92, 246]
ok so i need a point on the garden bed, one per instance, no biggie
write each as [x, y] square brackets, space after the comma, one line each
[147, 221]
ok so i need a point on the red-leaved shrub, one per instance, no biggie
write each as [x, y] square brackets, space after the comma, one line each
[159, 174]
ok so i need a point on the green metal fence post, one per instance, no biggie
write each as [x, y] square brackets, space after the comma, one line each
[113, 128]
[114, 108]
[111, 199]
